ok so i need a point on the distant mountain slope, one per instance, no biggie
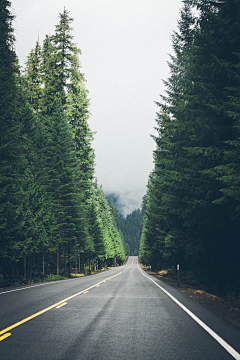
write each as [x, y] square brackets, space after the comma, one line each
[116, 202]
[130, 228]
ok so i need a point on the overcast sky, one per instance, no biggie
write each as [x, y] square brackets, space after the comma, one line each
[125, 46]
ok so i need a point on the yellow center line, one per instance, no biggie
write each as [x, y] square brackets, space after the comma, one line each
[59, 306]
[48, 308]
[5, 336]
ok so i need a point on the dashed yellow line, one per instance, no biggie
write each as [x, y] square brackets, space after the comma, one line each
[57, 305]
[5, 336]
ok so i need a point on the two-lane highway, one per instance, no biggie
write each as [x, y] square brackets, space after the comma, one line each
[119, 314]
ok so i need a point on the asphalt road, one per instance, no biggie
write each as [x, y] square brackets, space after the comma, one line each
[119, 314]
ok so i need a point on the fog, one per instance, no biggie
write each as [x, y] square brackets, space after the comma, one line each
[125, 46]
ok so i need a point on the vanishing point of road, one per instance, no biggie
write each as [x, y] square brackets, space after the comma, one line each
[119, 314]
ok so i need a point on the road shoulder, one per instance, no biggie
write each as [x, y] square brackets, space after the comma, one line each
[227, 308]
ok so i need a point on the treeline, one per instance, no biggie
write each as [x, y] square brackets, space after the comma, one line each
[129, 225]
[114, 198]
[130, 228]
[51, 209]
[191, 212]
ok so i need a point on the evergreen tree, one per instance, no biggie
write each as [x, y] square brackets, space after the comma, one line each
[196, 131]
[113, 240]
[130, 228]
[12, 140]
[96, 232]
[32, 78]
[65, 52]
[49, 208]
[64, 199]
[49, 79]
[78, 114]
[64, 83]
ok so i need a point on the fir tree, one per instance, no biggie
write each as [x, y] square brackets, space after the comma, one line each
[196, 131]
[64, 199]
[48, 70]
[12, 142]
[32, 78]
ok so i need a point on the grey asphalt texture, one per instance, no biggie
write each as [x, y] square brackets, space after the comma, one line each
[126, 317]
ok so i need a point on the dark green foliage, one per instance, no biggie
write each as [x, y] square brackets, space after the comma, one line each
[32, 79]
[115, 200]
[191, 201]
[113, 240]
[50, 211]
[12, 140]
[129, 226]
[62, 172]
[49, 79]
[96, 230]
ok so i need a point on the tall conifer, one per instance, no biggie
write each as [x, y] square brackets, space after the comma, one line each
[12, 142]
[33, 90]
[196, 133]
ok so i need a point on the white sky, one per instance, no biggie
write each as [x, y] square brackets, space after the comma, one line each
[125, 46]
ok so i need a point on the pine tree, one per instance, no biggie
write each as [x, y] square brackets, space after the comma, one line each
[76, 99]
[96, 231]
[64, 83]
[64, 200]
[33, 90]
[65, 52]
[130, 228]
[12, 143]
[48, 70]
[78, 115]
[196, 131]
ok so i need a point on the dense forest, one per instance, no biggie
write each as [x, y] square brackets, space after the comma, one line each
[115, 200]
[129, 225]
[52, 211]
[191, 212]
[130, 228]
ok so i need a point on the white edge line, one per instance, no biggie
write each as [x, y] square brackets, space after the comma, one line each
[47, 283]
[222, 342]
[27, 287]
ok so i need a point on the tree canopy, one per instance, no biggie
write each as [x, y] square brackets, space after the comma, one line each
[191, 209]
[51, 210]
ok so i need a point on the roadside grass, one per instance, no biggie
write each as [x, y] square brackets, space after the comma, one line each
[73, 275]
[52, 277]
